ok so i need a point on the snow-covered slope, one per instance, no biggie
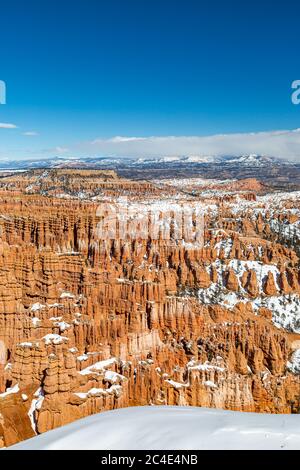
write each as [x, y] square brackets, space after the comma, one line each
[172, 427]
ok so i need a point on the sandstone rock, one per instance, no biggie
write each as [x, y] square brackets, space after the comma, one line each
[90, 323]
[270, 287]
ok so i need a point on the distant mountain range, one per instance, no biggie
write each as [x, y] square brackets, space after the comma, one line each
[274, 172]
[140, 163]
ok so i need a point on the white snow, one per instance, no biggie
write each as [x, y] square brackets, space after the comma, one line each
[294, 364]
[35, 321]
[67, 295]
[98, 366]
[96, 392]
[26, 344]
[171, 427]
[62, 325]
[52, 338]
[215, 293]
[225, 246]
[177, 385]
[193, 182]
[82, 358]
[9, 391]
[261, 270]
[192, 365]
[210, 384]
[288, 231]
[37, 306]
[285, 310]
[113, 377]
[93, 392]
[35, 406]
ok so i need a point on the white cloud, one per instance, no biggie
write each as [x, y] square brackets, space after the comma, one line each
[284, 144]
[5, 125]
[279, 143]
[61, 149]
[30, 133]
[119, 138]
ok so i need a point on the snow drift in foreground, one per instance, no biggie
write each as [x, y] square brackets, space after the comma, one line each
[172, 427]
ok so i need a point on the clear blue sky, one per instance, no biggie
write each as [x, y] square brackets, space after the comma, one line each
[85, 69]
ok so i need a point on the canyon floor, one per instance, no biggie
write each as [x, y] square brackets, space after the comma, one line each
[117, 292]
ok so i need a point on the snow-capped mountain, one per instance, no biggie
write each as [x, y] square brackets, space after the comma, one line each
[142, 162]
[254, 160]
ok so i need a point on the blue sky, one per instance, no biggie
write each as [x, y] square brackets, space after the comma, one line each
[80, 73]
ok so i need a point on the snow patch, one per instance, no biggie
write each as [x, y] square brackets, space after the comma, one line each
[52, 338]
[11, 390]
[97, 392]
[36, 405]
[294, 364]
[37, 306]
[98, 366]
[285, 310]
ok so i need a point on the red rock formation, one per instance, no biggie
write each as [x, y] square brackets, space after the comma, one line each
[90, 324]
